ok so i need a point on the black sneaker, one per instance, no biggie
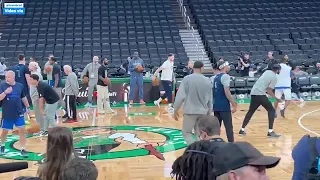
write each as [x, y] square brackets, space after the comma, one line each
[273, 135]
[24, 153]
[242, 132]
[65, 116]
[2, 149]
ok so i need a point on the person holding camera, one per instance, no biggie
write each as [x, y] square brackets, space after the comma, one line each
[244, 65]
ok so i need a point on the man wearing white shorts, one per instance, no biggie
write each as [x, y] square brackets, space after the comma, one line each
[283, 87]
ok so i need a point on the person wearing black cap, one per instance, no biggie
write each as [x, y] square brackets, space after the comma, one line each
[240, 160]
[223, 98]
[136, 77]
[265, 84]
[195, 91]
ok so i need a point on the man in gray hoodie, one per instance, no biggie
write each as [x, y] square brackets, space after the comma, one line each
[71, 91]
[91, 70]
[136, 78]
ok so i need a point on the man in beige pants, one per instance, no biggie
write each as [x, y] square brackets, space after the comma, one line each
[103, 101]
[195, 92]
[33, 67]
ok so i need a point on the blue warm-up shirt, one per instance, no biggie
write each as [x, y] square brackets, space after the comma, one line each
[221, 102]
[20, 71]
[133, 64]
[300, 155]
[12, 107]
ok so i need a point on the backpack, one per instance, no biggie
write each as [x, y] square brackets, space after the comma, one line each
[314, 160]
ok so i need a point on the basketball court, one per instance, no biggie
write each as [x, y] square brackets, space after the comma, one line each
[126, 145]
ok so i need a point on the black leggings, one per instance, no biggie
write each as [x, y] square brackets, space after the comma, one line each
[256, 101]
[226, 117]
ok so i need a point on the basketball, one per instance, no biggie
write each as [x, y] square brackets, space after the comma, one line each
[48, 68]
[155, 82]
[139, 68]
[106, 81]
[85, 80]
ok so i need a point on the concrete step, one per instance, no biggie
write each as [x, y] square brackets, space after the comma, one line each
[190, 37]
[192, 45]
[191, 40]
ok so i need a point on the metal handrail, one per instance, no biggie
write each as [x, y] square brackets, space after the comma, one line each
[187, 21]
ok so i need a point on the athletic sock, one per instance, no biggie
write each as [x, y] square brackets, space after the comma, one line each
[242, 129]
[270, 130]
[22, 148]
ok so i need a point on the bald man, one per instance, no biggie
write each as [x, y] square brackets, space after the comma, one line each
[11, 96]
[91, 71]
[71, 92]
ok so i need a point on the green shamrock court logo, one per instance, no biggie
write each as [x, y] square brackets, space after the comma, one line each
[111, 142]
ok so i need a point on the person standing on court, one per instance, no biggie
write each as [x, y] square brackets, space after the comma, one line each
[12, 96]
[195, 91]
[265, 84]
[223, 98]
[283, 87]
[136, 77]
[71, 91]
[103, 100]
[49, 74]
[22, 75]
[91, 71]
[167, 78]
[33, 67]
[48, 102]
[57, 79]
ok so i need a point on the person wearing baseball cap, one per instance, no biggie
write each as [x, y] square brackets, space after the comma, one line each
[240, 160]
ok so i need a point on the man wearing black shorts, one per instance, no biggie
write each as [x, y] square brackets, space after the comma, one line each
[48, 102]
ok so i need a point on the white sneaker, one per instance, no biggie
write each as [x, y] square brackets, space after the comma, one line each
[88, 105]
[170, 109]
[156, 103]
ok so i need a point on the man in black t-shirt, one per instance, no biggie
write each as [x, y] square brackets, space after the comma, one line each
[103, 102]
[57, 79]
[48, 102]
[244, 65]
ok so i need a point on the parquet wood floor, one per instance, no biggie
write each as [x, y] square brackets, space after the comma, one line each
[129, 159]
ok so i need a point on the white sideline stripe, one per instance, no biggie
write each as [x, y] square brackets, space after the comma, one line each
[302, 126]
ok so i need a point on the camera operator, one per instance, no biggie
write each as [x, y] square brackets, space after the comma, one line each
[244, 65]
[270, 61]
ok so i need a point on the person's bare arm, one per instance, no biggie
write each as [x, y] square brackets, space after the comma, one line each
[225, 79]
[28, 79]
[56, 80]
[2, 96]
[25, 102]
[41, 104]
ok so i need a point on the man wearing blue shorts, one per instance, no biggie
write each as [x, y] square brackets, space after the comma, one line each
[11, 96]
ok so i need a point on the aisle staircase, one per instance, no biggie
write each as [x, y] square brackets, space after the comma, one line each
[190, 37]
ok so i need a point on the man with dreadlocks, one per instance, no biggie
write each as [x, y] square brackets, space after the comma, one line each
[196, 163]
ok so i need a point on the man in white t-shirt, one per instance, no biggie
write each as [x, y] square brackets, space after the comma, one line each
[283, 87]
[167, 77]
